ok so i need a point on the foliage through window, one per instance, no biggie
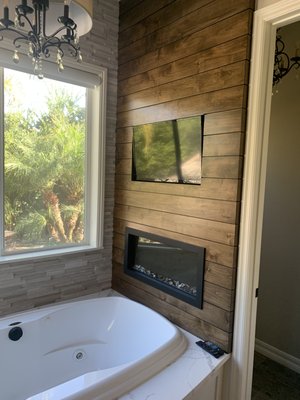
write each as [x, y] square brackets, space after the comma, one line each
[46, 159]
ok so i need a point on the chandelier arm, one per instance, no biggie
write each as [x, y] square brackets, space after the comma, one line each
[19, 38]
[296, 62]
[50, 44]
[62, 28]
[59, 30]
[285, 70]
[74, 50]
[282, 55]
[15, 31]
[282, 62]
[20, 16]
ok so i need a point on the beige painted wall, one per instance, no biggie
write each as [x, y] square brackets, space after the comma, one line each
[278, 318]
[25, 285]
[265, 3]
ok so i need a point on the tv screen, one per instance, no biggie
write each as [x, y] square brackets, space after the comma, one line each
[168, 151]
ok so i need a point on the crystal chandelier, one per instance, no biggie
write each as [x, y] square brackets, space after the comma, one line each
[31, 23]
[282, 62]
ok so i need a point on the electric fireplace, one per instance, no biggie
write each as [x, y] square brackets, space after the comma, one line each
[175, 267]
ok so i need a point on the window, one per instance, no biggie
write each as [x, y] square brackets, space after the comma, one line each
[52, 160]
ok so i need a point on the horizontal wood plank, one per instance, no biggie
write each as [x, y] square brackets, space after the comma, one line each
[210, 313]
[124, 150]
[224, 54]
[212, 294]
[210, 188]
[220, 275]
[214, 252]
[222, 167]
[124, 135]
[219, 296]
[219, 232]
[191, 323]
[225, 122]
[221, 32]
[212, 167]
[228, 144]
[210, 81]
[127, 5]
[140, 11]
[215, 123]
[216, 210]
[203, 17]
[221, 100]
[123, 166]
[159, 19]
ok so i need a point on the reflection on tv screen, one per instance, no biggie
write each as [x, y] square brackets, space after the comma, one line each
[168, 151]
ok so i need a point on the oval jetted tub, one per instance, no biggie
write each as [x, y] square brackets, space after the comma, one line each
[93, 349]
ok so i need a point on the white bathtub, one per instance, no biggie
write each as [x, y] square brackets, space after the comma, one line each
[93, 349]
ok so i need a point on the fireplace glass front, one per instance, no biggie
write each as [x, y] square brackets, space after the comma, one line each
[174, 267]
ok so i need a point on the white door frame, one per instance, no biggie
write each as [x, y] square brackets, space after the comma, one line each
[266, 21]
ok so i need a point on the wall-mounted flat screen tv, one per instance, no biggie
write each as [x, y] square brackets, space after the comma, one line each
[168, 151]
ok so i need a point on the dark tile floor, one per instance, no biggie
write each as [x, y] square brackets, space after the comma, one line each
[274, 381]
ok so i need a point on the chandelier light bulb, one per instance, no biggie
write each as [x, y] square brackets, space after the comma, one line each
[16, 22]
[38, 68]
[16, 57]
[30, 50]
[59, 55]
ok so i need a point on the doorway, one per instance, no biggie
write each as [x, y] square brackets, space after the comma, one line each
[238, 382]
[277, 358]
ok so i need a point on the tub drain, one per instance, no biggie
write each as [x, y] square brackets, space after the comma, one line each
[79, 355]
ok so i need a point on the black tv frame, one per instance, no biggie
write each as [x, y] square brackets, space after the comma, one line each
[177, 151]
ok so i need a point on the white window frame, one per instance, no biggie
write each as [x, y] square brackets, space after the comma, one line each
[95, 79]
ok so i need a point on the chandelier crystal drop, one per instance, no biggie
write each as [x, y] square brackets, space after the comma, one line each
[29, 26]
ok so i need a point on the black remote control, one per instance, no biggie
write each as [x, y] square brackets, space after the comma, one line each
[211, 348]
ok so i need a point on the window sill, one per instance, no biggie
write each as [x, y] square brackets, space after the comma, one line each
[47, 254]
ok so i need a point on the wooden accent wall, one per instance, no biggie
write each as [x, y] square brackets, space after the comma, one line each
[180, 58]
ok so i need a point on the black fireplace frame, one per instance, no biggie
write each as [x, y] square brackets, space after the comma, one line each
[131, 240]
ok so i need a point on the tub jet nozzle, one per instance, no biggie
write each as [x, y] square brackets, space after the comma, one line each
[15, 333]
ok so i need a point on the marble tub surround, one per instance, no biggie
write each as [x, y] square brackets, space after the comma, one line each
[195, 373]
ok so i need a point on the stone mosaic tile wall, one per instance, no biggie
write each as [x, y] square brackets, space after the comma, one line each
[28, 284]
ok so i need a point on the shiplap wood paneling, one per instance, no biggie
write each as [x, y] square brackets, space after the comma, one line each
[28, 284]
[177, 59]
